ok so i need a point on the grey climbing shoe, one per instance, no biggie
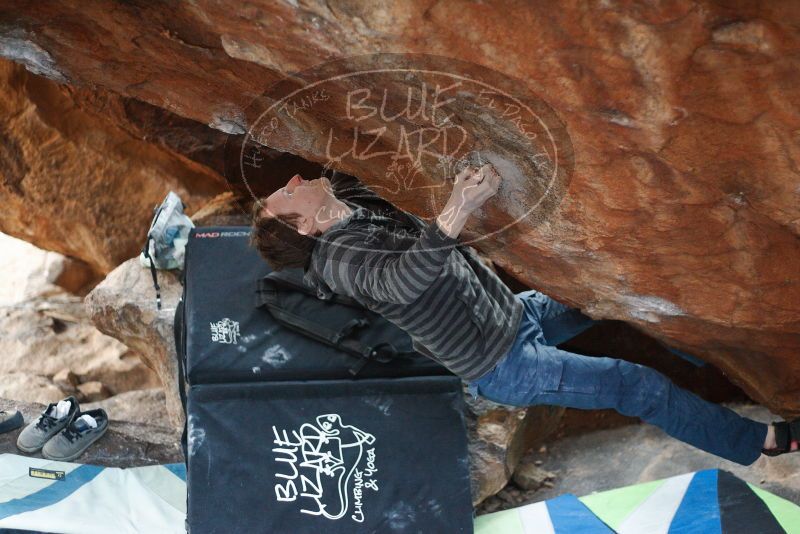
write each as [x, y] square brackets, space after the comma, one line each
[10, 421]
[35, 435]
[76, 437]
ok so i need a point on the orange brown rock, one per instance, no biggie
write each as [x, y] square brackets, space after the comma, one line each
[683, 211]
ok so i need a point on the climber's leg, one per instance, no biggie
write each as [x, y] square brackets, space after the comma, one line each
[558, 321]
[535, 373]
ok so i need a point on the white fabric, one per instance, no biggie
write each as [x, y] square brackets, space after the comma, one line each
[536, 519]
[61, 409]
[89, 420]
[654, 515]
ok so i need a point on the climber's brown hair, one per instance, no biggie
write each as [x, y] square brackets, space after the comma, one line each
[277, 240]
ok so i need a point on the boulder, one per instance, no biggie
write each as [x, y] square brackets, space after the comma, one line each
[677, 210]
[226, 209]
[530, 476]
[51, 331]
[141, 406]
[66, 380]
[499, 436]
[92, 391]
[29, 387]
[48, 343]
[76, 277]
[76, 184]
[123, 306]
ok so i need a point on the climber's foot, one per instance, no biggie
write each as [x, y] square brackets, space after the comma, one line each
[782, 437]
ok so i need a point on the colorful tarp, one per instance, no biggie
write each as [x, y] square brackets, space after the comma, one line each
[707, 502]
[563, 514]
[46, 496]
[42, 495]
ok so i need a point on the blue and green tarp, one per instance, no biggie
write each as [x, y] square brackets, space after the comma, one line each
[707, 502]
[46, 496]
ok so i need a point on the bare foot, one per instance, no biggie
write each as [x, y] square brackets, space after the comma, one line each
[769, 442]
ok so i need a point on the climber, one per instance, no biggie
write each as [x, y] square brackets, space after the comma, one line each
[457, 311]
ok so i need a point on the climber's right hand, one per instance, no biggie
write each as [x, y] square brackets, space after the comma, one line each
[471, 188]
[474, 186]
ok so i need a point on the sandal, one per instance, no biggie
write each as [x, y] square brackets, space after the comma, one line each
[786, 434]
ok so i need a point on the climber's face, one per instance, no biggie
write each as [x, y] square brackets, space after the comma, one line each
[304, 197]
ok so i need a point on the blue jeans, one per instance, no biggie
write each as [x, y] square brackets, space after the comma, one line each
[534, 372]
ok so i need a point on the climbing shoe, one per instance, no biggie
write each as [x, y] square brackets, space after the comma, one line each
[51, 421]
[10, 421]
[86, 428]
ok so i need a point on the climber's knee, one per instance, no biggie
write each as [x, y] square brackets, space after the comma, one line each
[644, 390]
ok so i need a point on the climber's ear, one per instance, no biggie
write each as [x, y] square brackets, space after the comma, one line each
[305, 225]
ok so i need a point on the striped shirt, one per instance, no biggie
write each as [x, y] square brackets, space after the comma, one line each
[456, 310]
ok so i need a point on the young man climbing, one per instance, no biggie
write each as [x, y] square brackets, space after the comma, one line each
[457, 311]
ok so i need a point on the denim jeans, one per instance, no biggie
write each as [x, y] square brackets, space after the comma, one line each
[535, 372]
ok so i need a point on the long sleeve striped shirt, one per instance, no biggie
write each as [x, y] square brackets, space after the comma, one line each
[456, 310]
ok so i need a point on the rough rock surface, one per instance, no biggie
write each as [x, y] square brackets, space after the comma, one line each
[125, 444]
[66, 380]
[140, 406]
[73, 183]
[682, 213]
[92, 391]
[124, 306]
[499, 436]
[46, 336]
[51, 349]
[529, 476]
[29, 387]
